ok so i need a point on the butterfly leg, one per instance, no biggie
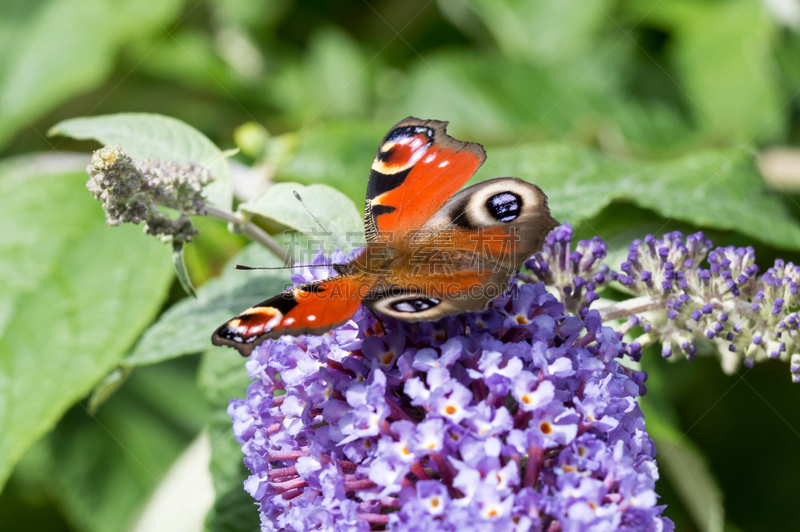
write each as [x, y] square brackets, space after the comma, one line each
[383, 325]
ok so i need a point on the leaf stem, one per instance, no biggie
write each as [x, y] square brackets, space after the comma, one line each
[251, 230]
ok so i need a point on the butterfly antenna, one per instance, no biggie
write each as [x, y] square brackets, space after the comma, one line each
[327, 233]
[242, 267]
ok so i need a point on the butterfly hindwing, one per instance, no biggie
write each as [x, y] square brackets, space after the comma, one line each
[433, 298]
[504, 220]
[417, 168]
[464, 256]
[306, 309]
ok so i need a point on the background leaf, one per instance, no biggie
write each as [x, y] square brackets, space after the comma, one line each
[144, 135]
[732, 90]
[101, 469]
[333, 80]
[187, 326]
[680, 460]
[545, 31]
[690, 475]
[75, 297]
[716, 189]
[52, 50]
[181, 273]
[632, 106]
[337, 154]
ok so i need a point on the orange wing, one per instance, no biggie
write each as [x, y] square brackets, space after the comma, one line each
[417, 168]
[307, 309]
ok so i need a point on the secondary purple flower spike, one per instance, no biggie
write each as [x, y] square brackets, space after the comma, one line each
[749, 317]
[481, 421]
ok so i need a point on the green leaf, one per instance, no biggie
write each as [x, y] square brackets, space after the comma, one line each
[487, 105]
[223, 377]
[190, 63]
[101, 469]
[76, 294]
[545, 31]
[684, 466]
[338, 215]
[53, 50]
[679, 459]
[583, 99]
[690, 476]
[234, 510]
[333, 80]
[714, 189]
[186, 327]
[144, 135]
[723, 62]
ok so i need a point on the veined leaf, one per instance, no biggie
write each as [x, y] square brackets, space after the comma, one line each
[76, 294]
[100, 469]
[715, 189]
[144, 135]
[186, 327]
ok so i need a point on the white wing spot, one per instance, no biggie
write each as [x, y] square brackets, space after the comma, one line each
[289, 321]
[430, 158]
[416, 143]
[443, 164]
[274, 322]
[311, 317]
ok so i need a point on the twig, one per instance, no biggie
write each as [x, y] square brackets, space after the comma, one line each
[252, 231]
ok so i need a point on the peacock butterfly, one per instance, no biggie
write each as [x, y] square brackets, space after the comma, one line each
[431, 250]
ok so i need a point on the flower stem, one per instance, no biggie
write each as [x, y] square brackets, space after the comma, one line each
[379, 519]
[251, 230]
[534, 467]
[629, 307]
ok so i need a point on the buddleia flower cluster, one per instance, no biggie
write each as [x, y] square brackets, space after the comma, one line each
[520, 418]
[133, 190]
[694, 296]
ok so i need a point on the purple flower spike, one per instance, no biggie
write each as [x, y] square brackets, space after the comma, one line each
[503, 426]
[668, 273]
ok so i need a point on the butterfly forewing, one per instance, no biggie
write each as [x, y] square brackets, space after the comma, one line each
[307, 309]
[417, 167]
[504, 219]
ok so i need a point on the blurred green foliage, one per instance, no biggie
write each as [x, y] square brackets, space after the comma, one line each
[634, 116]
